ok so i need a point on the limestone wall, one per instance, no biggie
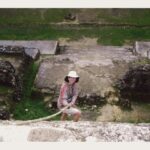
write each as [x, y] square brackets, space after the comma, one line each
[74, 132]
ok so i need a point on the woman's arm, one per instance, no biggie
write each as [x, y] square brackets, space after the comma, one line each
[63, 95]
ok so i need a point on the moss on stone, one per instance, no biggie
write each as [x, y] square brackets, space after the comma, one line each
[30, 108]
[141, 61]
[5, 89]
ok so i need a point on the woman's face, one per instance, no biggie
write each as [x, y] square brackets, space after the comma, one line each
[71, 80]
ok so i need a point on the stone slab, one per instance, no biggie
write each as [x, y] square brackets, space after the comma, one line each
[143, 48]
[33, 53]
[98, 64]
[45, 46]
[67, 131]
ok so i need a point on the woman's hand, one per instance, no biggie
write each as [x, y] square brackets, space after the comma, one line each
[71, 105]
[65, 103]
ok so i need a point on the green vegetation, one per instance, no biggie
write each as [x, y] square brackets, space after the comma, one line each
[125, 16]
[38, 24]
[45, 16]
[28, 79]
[32, 16]
[105, 35]
[30, 108]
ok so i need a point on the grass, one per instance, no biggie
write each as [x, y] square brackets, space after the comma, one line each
[116, 16]
[30, 108]
[106, 35]
[125, 16]
[34, 24]
[28, 79]
[28, 16]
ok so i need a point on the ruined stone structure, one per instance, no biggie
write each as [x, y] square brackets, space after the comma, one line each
[13, 63]
[99, 68]
[135, 84]
[15, 57]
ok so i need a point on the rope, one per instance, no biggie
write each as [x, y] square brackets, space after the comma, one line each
[41, 119]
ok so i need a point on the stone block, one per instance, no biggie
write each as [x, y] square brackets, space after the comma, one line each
[143, 49]
[45, 47]
[33, 53]
[51, 135]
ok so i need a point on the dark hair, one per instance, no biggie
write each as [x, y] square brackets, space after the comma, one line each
[66, 79]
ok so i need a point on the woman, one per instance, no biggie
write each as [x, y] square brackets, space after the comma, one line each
[68, 96]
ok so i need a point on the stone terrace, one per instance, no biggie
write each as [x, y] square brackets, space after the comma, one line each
[45, 47]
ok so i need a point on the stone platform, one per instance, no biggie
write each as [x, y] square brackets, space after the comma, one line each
[68, 131]
[45, 46]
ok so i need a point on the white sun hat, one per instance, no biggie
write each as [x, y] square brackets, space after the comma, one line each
[73, 74]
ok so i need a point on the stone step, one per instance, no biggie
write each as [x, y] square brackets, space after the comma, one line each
[143, 48]
[45, 46]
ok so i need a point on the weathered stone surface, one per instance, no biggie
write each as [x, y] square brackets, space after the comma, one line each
[11, 72]
[51, 135]
[9, 78]
[5, 101]
[114, 113]
[142, 48]
[33, 53]
[68, 131]
[45, 47]
[7, 73]
[13, 64]
[97, 66]
[12, 50]
[4, 114]
[135, 84]
[12, 54]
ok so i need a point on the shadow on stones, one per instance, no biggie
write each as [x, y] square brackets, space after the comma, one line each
[134, 86]
[12, 77]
